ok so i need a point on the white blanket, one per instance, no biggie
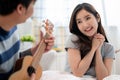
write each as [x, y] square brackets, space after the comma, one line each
[112, 77]
[57, 75]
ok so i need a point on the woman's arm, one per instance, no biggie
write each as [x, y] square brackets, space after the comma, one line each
[102, 67]
[78, 66]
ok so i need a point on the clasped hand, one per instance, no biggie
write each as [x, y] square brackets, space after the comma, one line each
[97, 41]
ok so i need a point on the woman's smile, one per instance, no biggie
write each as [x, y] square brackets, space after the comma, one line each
[88, 29]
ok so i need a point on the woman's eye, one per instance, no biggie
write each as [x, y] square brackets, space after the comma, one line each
[78, 22]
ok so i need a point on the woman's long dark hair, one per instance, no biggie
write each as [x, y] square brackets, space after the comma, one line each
[84, 42]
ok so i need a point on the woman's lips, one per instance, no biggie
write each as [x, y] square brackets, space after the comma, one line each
[88, 29]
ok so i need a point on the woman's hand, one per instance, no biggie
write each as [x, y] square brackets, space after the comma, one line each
[95, 43]
[98, 41]
[101, 39]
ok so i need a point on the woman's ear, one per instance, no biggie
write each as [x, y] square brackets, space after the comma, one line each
[98, 18]
[20, 9]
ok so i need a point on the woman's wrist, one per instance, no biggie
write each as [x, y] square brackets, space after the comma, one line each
[93, 49]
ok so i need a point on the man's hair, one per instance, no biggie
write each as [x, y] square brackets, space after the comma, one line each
[8, 6]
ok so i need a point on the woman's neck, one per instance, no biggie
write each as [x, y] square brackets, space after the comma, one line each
[91, 37]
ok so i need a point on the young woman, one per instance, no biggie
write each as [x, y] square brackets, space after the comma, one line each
[88, 50]
[13, 12]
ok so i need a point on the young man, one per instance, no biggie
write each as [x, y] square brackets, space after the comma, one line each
[13, 12]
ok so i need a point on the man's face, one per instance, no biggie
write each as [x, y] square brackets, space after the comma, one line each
[29, 11]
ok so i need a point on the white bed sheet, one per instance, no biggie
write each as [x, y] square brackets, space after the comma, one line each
[57, 75]
[112, 77]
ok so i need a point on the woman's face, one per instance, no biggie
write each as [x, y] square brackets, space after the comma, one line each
[87, 23]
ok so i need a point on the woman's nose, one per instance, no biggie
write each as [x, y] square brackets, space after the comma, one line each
[85, 23]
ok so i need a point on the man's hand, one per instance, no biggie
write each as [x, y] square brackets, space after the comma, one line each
[49, 41]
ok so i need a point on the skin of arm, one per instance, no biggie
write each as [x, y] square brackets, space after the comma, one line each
[78, 66]
[102, 67]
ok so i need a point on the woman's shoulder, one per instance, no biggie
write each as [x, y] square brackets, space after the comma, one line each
[108, 50]
[107, 45]
[73, 37]
[70, 43]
